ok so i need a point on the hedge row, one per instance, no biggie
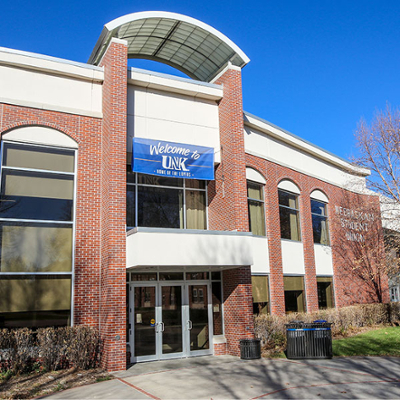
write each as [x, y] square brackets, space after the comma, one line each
[50, 348]
[272, 331]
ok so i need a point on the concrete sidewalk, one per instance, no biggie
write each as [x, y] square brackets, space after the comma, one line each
[228, 377]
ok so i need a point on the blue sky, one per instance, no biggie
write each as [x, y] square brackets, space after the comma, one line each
[316, 68]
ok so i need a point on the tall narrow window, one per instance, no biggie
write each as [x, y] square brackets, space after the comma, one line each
[260, 294]
[289, 215]
[319, 222]
[36, 235]
[255, 200]
[325, 292]
[294, 294]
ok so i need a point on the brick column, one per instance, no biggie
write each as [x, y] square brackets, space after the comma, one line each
[228, 208]
[277, 293]
[307, 238]
[238, 307]
[228, 194]
[113, 207]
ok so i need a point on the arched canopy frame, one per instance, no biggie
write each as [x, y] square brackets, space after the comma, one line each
[182, 42]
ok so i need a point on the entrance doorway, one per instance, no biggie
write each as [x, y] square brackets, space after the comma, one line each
[170, 320]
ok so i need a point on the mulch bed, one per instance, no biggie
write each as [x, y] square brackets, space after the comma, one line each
[37, 384]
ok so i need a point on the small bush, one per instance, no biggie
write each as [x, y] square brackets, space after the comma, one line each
[83, 349]
[49, 348]
[52, 348]
[25, 349]
[272, 331]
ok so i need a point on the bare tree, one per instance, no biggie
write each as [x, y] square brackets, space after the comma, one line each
[379, 147]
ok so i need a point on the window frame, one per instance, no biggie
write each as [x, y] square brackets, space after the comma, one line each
[297, 210]
[326, 279]
[262, 201]
[304, 292]
[184, 188]
[325, 216]
[72, 222]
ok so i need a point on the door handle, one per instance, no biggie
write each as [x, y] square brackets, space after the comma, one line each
[162, 326]
[190, 325]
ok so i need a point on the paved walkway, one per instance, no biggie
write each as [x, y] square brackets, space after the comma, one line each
[228, 377]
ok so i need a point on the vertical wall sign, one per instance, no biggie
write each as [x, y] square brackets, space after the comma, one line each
[175, 160]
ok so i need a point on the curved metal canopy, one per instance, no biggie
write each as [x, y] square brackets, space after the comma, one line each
[185, 43]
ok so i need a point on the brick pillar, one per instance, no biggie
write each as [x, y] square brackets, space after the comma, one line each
[228, 194]
[310, 280]
[113, 207]
[228, 207]
[238, 307]
[277, 293]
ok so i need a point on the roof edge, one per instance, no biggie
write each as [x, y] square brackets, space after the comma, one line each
[303, 144]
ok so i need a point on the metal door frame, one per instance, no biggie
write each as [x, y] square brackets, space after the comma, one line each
[186, 352]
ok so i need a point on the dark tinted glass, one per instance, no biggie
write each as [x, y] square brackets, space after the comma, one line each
[160, 207]
[159, 180]
[217, 308]
[130, 206]
[195, 184]
[287, 199]
[171, 276]
[289, 224]
[35, 302]
[196, 275]
[216, 276]
[317, 207]
[35, 195]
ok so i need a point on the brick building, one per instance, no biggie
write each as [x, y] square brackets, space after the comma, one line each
[155, 209]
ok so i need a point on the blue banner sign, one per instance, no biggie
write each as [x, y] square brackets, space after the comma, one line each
[175, 160]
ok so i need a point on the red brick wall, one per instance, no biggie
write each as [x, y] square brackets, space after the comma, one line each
[113, 208]
[228, 211]
[87, 132]
[238, 307]
[351, 285]
[99, 291]
[227, 201]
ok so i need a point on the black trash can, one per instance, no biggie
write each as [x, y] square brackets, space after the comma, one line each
[309, 340]
[250, 349]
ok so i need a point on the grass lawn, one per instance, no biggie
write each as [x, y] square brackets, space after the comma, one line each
[378, 342]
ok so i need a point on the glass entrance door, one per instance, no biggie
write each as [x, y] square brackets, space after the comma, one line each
[199, 319]
[169, 320]
[144, 322]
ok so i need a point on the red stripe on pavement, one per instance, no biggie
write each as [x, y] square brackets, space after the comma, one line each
[138, 388]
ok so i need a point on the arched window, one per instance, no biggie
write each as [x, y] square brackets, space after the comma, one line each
[36, 227]
[319, 214]
[288, 194]
[255, 201]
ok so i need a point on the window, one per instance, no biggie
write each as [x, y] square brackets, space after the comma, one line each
[319, 222]
[36, 235]
[294, 294]
[289, 215]
[260, 288]
[154, 201]
[325, 292]
[255, 200]
[394, 294]
[217, 301]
